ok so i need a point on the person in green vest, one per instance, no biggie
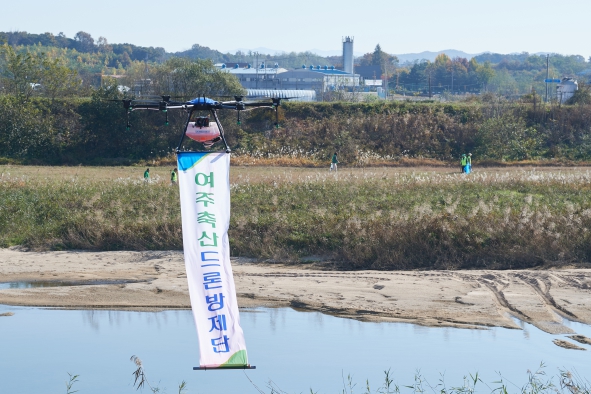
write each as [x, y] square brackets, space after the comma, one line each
[334, 162]
[463, 163]
[147, 175]
[173, 176]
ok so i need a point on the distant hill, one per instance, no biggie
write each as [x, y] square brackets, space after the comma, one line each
[404, 58]
[270, 57]
[428, 55]
[99, 53]
[319, 52]
[83, 43]
[496, 58]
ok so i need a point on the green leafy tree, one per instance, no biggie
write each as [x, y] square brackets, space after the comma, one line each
[25, 74]
[485, 73]
[85, 42]
[191, 78]
[58, 80]
[20, 73]
[26, 132]
[416, 78]
[103, 45]
[507, 137]
[377, 56]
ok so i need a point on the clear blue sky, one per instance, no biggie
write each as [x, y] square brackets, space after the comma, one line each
[473, 26]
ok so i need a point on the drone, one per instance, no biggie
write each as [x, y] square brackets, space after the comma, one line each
[204, 129]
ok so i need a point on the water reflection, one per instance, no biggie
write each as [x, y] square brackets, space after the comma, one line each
[297, 350]
[93, 318]
[56, 283]
[579, 328]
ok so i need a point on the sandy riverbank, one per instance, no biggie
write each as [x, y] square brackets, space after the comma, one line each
[434, 298]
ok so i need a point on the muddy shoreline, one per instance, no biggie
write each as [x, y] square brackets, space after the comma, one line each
[157, 280]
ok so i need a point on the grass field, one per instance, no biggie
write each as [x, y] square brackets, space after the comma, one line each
[379, 218]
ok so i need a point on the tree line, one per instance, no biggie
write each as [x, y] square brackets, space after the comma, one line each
[511, 75]
[92, 57]
[92, 131]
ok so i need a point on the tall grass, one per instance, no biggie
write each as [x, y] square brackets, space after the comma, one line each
[100, 215]
[538, 382]
[418, 220]
[381, 219]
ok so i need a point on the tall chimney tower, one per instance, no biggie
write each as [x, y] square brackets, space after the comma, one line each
[348, 55]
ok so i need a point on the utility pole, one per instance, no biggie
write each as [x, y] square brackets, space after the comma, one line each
[429, 85]
[547, 73]
[386, 80]
[257, 68]
[452, 81]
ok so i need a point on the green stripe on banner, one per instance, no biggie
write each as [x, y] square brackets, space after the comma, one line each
[237, 359]
[188, 160]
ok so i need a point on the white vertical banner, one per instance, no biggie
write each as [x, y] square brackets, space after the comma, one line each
[205, 208]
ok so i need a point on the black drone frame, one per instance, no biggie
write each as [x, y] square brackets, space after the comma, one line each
[201, 104]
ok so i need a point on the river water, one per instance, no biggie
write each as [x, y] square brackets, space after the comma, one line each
[295, 350]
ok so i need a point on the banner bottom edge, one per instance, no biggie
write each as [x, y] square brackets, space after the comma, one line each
[222, 367]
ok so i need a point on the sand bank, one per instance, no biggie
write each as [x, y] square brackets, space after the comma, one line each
[157, 280]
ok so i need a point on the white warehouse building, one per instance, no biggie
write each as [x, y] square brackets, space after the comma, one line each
[317, 78]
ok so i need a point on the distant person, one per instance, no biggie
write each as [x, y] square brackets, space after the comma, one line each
[147, 175]
[173, 176]
[463, 163]
[469, 163]
[334, 162]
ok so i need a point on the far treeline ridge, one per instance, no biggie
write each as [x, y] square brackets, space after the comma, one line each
[506, 74]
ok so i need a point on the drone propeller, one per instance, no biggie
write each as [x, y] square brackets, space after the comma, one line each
[155, 97]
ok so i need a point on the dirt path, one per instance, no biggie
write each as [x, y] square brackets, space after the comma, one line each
[434, 298]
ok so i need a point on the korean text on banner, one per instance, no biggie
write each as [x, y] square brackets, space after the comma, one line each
[205, 208]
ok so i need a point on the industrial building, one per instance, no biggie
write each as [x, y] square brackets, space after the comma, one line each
[348, 57]
[316, 78]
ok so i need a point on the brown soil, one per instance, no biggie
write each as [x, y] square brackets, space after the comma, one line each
[567, 345]
[470, 299]
[581, 339]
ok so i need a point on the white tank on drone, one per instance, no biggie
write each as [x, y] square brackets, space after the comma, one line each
[566, 89]
[348, 58]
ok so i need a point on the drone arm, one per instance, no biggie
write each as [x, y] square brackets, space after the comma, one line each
[158, 108]
[183, 106]
[259, 105]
